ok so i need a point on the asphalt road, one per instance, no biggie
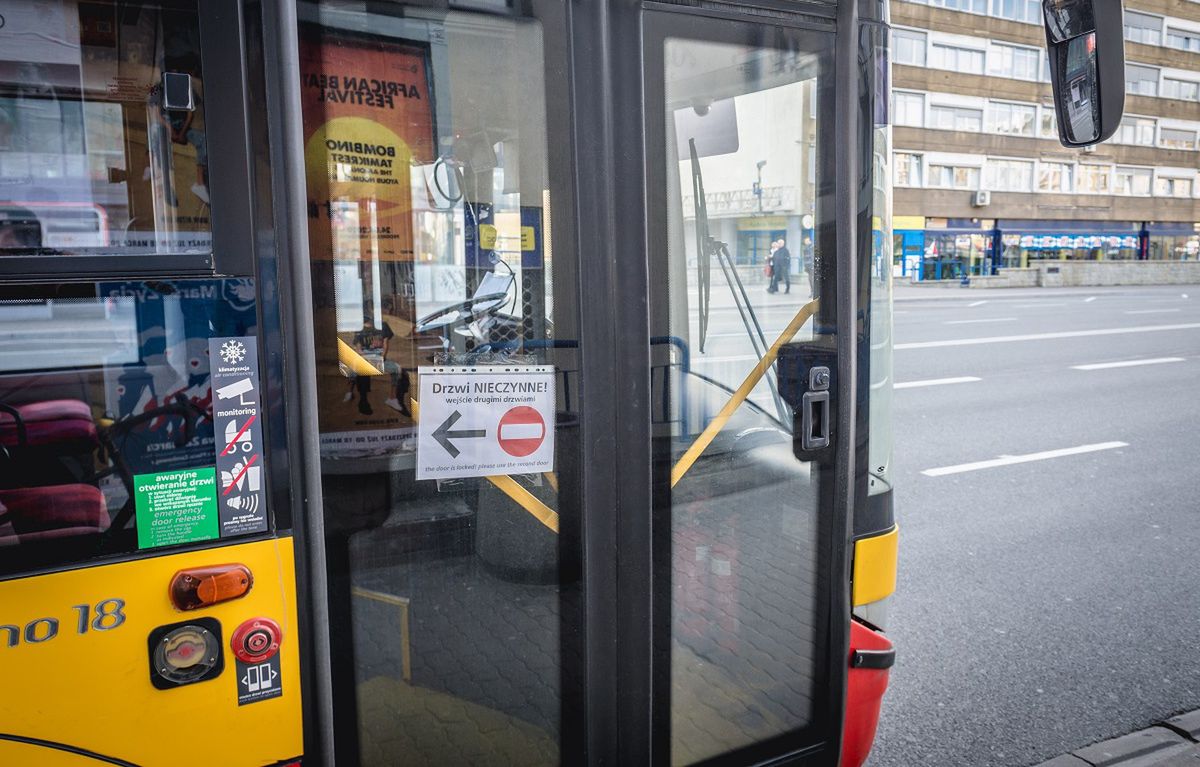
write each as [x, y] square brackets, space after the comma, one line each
[1052, 602]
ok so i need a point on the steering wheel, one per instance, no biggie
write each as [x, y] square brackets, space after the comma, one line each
[454, 314]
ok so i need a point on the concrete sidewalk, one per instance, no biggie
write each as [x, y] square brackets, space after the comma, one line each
[1173, 743]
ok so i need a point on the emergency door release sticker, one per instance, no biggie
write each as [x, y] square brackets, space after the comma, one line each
[258, 681]
[485, 421]
[237, 426]
[174, 507]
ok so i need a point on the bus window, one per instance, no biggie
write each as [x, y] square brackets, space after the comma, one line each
[745, 140]
[107, 443]
[93, 158]
[430, 205]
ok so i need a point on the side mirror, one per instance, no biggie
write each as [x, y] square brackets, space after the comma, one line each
[1085, 41]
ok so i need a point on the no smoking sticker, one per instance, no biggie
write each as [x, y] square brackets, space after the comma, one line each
[485, 421]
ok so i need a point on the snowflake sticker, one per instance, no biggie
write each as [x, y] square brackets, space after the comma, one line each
[233, 352]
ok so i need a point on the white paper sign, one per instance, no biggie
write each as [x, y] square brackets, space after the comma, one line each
[485, 421]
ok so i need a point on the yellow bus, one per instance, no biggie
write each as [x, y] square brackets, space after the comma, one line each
[447, 381]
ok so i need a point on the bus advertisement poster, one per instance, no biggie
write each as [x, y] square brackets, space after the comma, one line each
[368, 122]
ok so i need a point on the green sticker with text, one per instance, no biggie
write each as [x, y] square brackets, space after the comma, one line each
[176, 507]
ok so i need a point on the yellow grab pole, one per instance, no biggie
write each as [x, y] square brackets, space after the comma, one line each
[526, 500]
[714, 427]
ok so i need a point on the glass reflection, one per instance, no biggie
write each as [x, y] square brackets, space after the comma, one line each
[93, 158]
[430, 236]
[742, 271]
[1080, 92]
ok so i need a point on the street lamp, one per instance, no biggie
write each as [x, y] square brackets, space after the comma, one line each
[758, 190]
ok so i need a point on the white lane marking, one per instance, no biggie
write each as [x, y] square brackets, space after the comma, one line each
[1046, 336]
[937, 382]
[1127, 363]
[768, 333]
[1089, 299]
[722, 360]
[975, 322]
[1009, 460]
[977, 303]
[1150, 311]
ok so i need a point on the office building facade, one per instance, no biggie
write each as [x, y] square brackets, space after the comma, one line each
[981, 181]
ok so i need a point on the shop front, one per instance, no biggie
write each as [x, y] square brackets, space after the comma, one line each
[1027, 242]
[943, 249]
[1172, 242]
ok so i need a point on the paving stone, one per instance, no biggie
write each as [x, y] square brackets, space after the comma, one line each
[1189, 758]
[1189, 723]
[1144, 748]
[1066, 760]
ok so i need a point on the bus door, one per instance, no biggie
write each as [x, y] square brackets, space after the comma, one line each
[749, 528]
[147, 578]
[582, 463]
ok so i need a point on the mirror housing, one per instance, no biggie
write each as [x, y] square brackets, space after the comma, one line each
[1086, 45]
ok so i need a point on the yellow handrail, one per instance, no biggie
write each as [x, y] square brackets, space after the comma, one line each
[714, 427]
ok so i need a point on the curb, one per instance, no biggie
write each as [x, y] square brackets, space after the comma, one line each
[1172, 743]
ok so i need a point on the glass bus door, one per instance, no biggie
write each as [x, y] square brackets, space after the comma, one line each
[578, 483]
[740, 123]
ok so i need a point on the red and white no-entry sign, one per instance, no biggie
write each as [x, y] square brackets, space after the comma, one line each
[485, 421]
[521, 431]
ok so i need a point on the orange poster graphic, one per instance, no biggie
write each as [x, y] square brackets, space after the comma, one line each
[368, 121]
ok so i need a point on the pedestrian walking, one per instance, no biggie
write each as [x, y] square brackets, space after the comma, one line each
[782, 260]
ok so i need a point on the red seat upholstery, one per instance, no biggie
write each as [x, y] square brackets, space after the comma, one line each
[56, 511]
[65, 423]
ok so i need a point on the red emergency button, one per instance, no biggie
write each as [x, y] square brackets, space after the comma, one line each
[256, 640]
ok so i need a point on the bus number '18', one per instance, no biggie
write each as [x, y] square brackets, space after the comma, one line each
[105, 616]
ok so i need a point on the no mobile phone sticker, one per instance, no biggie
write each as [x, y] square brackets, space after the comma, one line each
[485, 421]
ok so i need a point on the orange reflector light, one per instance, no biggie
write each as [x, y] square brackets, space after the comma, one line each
[206, 586]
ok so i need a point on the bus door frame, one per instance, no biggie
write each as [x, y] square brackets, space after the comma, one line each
[610, 212]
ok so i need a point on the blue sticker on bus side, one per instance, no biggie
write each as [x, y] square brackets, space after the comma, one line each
[237, 410]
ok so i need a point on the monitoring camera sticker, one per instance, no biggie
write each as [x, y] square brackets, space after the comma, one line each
[237, 423]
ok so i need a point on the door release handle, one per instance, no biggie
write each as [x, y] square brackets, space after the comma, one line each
[814, 407]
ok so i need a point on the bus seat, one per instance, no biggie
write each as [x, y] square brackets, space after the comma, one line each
[58, 511]
[65, 424]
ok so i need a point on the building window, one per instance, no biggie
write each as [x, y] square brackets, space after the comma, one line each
[909, 109]
[908, 47]
[1142, 80]
[1132, 181]
[954, 177]
[1135, 130]
[1176, 138]
[1009, 175]
[1014, 62]
[1143, 28]
[969, 6]
[1029, 11]
[965, 60]
[907, 169]
[1183, 39]
[1011, 119]
[956, 118]
[1094, 179]
[1049, 122]
[1179, 89]
[1173, 187]
[1055, 177]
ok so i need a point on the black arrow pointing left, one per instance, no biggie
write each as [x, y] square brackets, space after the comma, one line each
[443, 434]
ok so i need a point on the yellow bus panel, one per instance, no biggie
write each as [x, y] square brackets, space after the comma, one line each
[875, 567]
[75, 664]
